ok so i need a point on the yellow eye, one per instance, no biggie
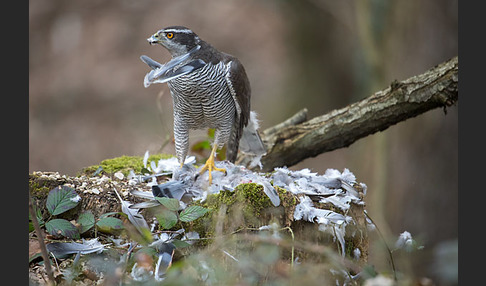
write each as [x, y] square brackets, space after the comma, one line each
[169, 35]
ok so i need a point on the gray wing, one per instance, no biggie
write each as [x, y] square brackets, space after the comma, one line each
[162, 75]
[239, 85]
[151, 63]
[172, 69]
[167, 72]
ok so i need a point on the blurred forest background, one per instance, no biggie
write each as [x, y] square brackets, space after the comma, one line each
[87, 102]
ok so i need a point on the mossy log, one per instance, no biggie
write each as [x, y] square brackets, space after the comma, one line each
[244, 209]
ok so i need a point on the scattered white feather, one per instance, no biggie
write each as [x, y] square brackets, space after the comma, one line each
[405, 241]
[172, 164]
[379, 280]
[141, 274]
[65, 248]
[145, 158]
[229, 255]
[342, 202]
[119, 175]
[133, 216]
[190, 237]
[256, 161]
[356, 253]
[333, 187]
[274, 228]
[329, 221]
[153, 167]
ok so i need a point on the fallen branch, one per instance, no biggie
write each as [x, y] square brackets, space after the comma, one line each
[289, 143]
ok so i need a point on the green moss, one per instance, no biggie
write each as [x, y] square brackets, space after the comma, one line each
[124, 164]
[37, 189]
[254, 197]
[254, 201]
[287, 199]
[246, 206]
[288, 202]
[40, 186]
[349, 248]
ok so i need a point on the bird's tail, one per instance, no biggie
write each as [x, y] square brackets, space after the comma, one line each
[247, 141]
[251, 143]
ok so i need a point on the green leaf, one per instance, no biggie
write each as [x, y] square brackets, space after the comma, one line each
[166, 218]
[191, 213]
[61, 199]
[62, 227]
[86, 220]
[109, 225]
[35, 256]
[180, 244]
[38, 215]
[150, 251]
[171, 204]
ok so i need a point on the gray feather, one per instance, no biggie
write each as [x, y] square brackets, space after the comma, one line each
[133, 216]
[163, 75]
[165, 254]
[151, 63]
[171, 70]
[61, 249]
[270, 191]
[251, 142]
[145, 205]
[170, 189]
[142, 194]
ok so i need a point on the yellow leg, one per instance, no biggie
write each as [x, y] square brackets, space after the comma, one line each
[210, 165]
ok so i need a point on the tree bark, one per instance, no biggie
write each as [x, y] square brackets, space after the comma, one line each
[289, 143]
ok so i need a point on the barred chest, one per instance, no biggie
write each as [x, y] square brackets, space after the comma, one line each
[202, 99]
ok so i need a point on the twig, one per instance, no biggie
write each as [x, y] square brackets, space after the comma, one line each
[293, 245]
[40, 238]
[386, 245]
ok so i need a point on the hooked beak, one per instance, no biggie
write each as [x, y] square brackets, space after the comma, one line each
[152, 40]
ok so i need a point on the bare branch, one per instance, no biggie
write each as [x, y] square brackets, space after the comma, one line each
[290, 144]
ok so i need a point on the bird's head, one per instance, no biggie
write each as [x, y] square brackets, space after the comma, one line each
[177, 40]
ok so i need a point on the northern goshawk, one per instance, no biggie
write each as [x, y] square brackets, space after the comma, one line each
[210, 89]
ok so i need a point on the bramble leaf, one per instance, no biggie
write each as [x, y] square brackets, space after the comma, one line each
[166, 218]
[86, 220]
[171, 204]
[62, 227]
[61, 199]
[191, 213]
[109, 225]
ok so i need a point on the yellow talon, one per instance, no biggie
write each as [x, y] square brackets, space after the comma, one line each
[209, 165]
